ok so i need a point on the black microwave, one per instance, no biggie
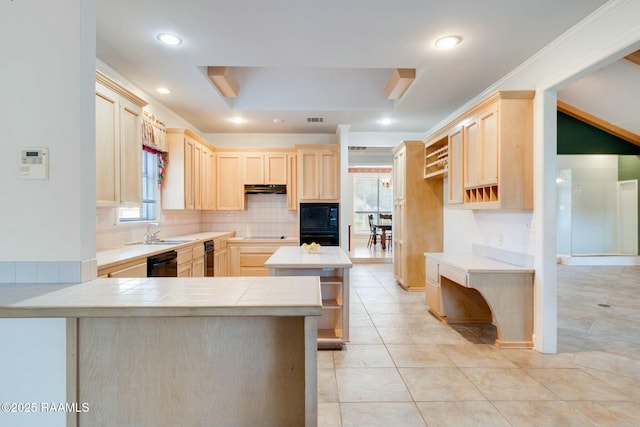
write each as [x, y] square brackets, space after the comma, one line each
[319, 222]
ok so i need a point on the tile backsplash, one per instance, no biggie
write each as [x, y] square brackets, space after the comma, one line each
[111, 234]
[266, 216]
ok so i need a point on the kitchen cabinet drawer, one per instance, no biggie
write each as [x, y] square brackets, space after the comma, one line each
[453, 275]
[198, 251]
[185, 255]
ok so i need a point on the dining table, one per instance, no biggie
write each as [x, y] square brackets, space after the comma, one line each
[384, 226]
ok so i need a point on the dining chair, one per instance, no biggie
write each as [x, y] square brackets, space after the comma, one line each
[373, 236]
[387, 218]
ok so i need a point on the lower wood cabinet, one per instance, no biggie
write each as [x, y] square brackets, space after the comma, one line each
[247, 256]
[191, 261]
[136, 268]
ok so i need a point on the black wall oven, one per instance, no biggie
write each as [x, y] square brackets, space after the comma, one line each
[319, 222]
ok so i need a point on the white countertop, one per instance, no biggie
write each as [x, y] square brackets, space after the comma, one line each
[126, 253]
[296, 257]
[162, 297]
[470, 263]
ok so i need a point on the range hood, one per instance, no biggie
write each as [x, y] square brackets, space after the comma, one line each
[265, 189]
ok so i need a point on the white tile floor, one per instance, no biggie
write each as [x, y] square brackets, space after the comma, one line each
[405, 368]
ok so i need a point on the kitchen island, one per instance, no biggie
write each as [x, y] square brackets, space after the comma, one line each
[332, 265]
[229, 351]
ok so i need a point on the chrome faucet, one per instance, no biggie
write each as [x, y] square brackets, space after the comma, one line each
[149, 236]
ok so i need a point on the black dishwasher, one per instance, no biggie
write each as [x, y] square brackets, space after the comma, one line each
[209, 249]
[163, 265]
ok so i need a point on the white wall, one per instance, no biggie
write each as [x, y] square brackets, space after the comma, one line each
[47, 227]
[593, 208]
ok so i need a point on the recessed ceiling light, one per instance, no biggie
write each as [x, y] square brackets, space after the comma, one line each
[163, 90]
[238, 120]
[169, 39]
[385, 121]
[448, 42]
[278, 121]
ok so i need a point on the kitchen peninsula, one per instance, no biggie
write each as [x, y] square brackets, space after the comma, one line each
[332, 265]
[184, 351]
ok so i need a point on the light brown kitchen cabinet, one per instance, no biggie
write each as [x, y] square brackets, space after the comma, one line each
[220, 258]
[318, 173]
[492, 167]
[456, 185]
[433, 293]
[275, 171]
[417, 215]
[229, 185]
[184, 185]
[253, 168]
[292, 182]
[247, 256]
[264, 167]
[118, 144]
[208, 179]
[132, 268]
[191, 261]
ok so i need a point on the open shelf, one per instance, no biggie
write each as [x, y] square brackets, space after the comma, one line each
[331, 280]
[485, 194]
[335, 303]
[329, 334]
[436, 158]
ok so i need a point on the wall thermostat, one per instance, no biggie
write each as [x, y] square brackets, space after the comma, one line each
[34, 163]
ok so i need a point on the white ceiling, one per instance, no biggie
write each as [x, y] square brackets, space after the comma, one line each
[296, 59]
[611, 94]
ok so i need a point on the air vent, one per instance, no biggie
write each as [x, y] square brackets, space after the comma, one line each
[353, 148]
[315, 119]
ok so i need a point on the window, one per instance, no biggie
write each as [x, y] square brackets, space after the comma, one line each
[372, 195]
[148, 211]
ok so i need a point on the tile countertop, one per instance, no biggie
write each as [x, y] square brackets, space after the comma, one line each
[470, 263]
[110, 257]
[165, 297]
[296, 257]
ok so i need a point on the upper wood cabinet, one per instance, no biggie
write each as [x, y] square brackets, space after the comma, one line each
[490, 153]
[292, 182]
[264, 168]
[188, 177]
[318, 173]
[118, 144]
[230, 190]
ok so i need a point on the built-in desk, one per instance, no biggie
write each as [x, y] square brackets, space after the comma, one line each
[467, 288]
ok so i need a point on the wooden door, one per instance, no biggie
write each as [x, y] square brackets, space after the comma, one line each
[292, 182]
[308, 175]
[330, 175]
[229, 189]
[455, 167]
[253, 169]
[130, 155]
[488, 139]
[107, 148]
[197, 176]
[275, 168]
[472, 154]
[188, 173]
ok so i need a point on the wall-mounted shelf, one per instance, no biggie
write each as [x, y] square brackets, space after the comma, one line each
[436, 158]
